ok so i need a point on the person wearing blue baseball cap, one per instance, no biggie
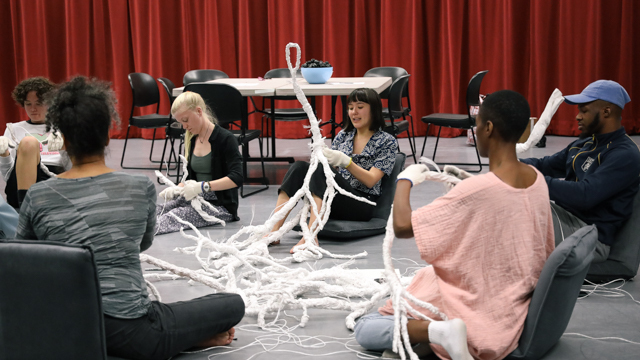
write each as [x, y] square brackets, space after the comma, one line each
[595, 178]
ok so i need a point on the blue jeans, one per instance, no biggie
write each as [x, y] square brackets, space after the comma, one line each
[375, 331]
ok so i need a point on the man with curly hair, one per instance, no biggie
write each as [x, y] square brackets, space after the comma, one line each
[24, 144]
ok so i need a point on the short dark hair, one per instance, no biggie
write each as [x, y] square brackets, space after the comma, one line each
[41, 85]
[508, 111]
[372, 98]
[83, 110]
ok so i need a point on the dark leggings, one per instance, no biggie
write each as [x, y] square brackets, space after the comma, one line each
[168, 329]
[343, 207]
[12, 182]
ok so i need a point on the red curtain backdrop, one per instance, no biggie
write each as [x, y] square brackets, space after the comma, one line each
[528, 46]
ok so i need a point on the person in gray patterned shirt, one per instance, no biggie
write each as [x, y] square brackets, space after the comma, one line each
[115, 214]
[362, 153]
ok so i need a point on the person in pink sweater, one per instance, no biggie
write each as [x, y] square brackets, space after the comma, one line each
[486, 241]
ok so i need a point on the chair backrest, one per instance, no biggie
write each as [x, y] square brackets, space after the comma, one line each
[556, 293]
[225, 101]
[203, 75]
[144, 89]
[281, 73]
[395, 96]
[624, 256]
[391, 71]
[388, 189]
[168, 87]
[473, 90]
[50, 302]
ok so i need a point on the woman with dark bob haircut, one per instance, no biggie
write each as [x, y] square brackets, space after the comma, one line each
[362, 153]
[115, 214]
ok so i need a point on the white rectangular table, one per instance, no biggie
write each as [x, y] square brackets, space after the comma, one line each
[248, 86]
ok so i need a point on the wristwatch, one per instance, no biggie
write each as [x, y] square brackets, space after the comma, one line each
[206, 187]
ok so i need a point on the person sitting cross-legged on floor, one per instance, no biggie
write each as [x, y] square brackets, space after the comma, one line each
[595, 178]
[214, 167]
[486, 240]
[115, 214]
[361, 154]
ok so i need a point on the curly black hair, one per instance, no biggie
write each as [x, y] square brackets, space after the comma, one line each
[41, 85]
[83, 110]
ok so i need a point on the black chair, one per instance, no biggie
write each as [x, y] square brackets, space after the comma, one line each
[145, 93]
[396, 111]
[281, 114]
[50, 302]
[394, 72]
[458, 121]
[173, 132]
[230, 106]
[203, 75]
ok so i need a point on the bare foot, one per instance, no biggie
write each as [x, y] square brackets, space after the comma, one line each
[300, 243]
[221, 339]
[277, 242]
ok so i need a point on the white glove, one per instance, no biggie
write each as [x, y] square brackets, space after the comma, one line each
[54, 141]
[5, 144]
[456, 172]
[192, 189]
[171, 192]
[336, 158]
[415, 173]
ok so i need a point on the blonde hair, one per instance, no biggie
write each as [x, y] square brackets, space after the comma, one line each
[190, 100]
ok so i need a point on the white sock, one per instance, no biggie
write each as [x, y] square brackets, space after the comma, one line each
[452, 336]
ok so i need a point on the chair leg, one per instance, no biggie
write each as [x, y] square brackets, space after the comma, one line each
[412, 145]
[475, 145]
[124, 149]
[264, 179]
[425, 140]
[436, 147]
[153, 139]
[164, 151]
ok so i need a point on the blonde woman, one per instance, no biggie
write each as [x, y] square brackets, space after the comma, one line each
[214, 165]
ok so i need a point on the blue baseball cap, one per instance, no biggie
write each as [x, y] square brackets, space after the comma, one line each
[606, 90]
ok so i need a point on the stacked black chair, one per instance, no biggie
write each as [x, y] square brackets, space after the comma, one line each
[145, 93]
[396, 111]
[282, 114]
[229, 106]
[459, 121]
[203, 75]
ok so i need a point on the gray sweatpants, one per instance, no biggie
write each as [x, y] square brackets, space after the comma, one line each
[565, 224]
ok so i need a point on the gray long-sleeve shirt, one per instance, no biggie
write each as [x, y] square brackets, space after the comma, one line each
[115, 214]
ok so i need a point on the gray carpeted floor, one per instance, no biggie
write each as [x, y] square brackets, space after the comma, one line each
[595, 316]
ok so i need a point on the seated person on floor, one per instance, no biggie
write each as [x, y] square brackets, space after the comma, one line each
[214, 165]
[595, 178]
[115, 214]
[20, 165]
[362, 153]
[487, 240]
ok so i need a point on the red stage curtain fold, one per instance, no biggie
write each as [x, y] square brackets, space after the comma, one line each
[528, 46]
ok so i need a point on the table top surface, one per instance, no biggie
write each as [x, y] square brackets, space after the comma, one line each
[284, 87]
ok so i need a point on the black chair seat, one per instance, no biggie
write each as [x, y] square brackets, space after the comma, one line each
[287, 114]
[248, 135]
[149, 121]
[449, 120]
[405, 111]
[398, 127]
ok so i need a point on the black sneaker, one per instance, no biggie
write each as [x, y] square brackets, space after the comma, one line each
[542, 143]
